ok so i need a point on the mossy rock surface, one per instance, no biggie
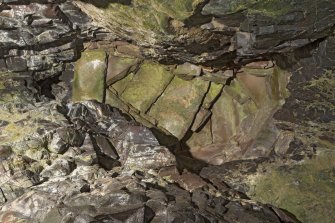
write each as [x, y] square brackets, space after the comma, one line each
[147, 19]
[212, 94]
[122, 84]
[118, 68]
[90, 76]
[271, 8]
[176, 108]
[307, 190]
[146, 86]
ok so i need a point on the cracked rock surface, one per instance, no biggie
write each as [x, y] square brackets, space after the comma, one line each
[167, 111]
[85, 162]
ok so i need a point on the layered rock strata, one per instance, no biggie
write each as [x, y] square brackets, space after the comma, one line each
[116, 111]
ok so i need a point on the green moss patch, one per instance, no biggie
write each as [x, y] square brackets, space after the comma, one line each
[306, 190]
[176, 108]
[90, 76]
[146, 86]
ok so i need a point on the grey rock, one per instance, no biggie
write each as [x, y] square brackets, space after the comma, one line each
[16, 64]
[58, 168]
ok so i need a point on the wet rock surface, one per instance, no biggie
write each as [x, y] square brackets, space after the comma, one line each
[167, 111]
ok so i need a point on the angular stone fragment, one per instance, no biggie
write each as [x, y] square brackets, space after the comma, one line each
[89, 76]
[129, 49]
[105, 147]
[212, 94]
[203, 114]
[200, 139]
[177, 107]
[187, 71]
[144, 157]
[146, 86]
[219, 77]
[226, 124]
[186, 180]
[200, 119]
[39, 62]
[84, 155]
[58, 168]
[113, 100]
[106, 153]
[119, 86]
[63, 138]
[119, 67]
[40, 204]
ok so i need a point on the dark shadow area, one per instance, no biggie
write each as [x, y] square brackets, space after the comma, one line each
[285, 216]
[105, 3]
[178, 148]
[45, 86]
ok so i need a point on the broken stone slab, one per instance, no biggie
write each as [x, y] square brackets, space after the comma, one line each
[187, 71]
[106, 153]
[105, 147]
[90, 76]
[176, 108]
[84, 155]
[144, 157]
[142, 214]
[146, 86]
[204, 113]
[201, 138]
[262, 69]
[219, 77]
[132, 135]
[40, 62]
[212, 94]
[41, 203]
[142, 118]
[186, 180]
[59, 168]
[113, 100]
[119, 86]
[129, 49]
[3, 66]
[63, 138]
[119, 67]
[200, 119]
[226, 124]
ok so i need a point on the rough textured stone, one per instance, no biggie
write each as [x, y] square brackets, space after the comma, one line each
[187, 71]
[146, 86]
[216, 31]
[177, 106]
[87, 162]
[119, 67]
[90, 76]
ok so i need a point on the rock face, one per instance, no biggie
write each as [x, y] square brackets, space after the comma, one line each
[182, 104]
[167, 111]
[214, 31]
[91, 68]
[301, 171]
[85, 162]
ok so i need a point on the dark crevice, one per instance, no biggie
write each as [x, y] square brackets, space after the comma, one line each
[45, 86]
[105, 3]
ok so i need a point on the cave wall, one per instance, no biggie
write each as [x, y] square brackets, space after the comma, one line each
[245, 85]
[215, 119]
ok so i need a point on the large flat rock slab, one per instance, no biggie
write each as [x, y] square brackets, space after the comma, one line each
[146, 86]
[89, 76]
[176, 108]
[119, 67]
